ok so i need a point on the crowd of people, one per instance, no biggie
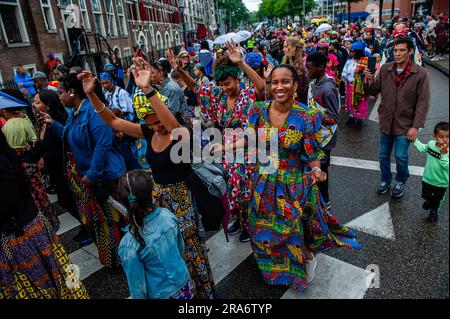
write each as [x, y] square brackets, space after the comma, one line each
[101, 146]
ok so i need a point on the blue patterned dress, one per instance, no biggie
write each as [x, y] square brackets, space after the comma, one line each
[286, 211]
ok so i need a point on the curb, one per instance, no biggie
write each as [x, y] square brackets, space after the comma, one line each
[436, 66]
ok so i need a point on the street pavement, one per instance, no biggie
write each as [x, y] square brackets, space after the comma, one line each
[402, 256]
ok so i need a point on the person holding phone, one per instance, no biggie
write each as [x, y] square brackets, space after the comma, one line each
[356, 98]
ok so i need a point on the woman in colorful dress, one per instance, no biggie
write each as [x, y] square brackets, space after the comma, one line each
[21, 136]
[93, 168]
[226, 105]
[356, 99]
[170, 189]
[33, 263]
[288, 221]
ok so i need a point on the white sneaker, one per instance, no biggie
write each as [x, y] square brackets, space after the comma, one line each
[311, 266]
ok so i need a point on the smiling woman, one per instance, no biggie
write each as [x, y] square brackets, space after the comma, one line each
[288, 221]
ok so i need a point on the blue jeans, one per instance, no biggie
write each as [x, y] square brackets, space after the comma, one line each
[401, 155]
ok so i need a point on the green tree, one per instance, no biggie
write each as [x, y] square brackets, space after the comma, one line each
[235, 12]
[284, 8]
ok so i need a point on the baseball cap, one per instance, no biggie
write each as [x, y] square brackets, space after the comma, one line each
[39, 75]
[398, 32]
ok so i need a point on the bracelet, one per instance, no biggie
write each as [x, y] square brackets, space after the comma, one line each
[103, 108]
[151, 94]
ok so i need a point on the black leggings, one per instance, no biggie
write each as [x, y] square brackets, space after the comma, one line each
[433, 195]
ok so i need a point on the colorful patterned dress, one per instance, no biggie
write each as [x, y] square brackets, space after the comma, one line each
[214, 106]
[286, 211]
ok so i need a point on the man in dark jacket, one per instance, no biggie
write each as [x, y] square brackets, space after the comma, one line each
[325, 93]
[405, 100]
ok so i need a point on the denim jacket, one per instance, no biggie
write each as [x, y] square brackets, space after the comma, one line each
[156, 270]
[91, 142]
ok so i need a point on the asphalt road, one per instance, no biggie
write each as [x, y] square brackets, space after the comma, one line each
[410, 262]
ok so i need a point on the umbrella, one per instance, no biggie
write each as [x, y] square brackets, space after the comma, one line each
[211, 44]
[245, 35]
[7, 101]
[221, 40]
[324, 27]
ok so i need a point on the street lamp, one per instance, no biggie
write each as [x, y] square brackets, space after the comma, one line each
[181, 6]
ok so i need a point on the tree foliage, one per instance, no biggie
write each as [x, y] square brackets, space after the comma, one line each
[284, 8]
[235, 12]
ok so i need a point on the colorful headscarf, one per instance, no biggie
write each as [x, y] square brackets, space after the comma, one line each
[254, 60]
[143, 106]
[224, 71]
[105, 76]
[360, 45]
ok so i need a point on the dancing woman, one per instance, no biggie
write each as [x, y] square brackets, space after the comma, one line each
[170, 189]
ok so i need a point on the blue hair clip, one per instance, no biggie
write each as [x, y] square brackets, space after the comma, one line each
[132, 199]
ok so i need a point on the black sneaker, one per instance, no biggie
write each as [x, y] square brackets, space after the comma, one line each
[351, 121]
[383, 187]
[433, 218]
[244, 236]
[426, 205]
[235, 228]
[398, 190]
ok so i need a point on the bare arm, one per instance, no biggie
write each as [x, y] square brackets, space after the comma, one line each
[118, 124]
[142, 78]
[190, 82]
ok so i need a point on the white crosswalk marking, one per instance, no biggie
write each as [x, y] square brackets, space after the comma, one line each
[87, 262]
[370, 165]
[334, 279]
[224, 257]
[67, 222]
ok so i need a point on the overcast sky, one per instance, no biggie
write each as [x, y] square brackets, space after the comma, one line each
[252, 5]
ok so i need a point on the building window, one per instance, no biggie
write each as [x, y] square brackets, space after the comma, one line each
[110, 19]
[64, 3]
[85, 15]
[122, 20]
[98, 18]
[47, 12]
[12, 23]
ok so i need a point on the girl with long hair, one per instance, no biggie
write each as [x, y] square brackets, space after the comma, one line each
[294, 55]
[152, 250]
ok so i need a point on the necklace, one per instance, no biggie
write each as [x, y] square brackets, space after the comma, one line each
[79, 106]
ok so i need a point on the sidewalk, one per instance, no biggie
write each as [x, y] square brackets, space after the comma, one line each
[439, 65]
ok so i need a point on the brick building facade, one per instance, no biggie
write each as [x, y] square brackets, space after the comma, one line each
[30, 29]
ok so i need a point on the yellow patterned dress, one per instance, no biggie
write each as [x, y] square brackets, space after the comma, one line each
[36, 266]
[287, 212]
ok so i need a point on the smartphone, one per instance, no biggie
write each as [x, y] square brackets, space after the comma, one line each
[372, 64]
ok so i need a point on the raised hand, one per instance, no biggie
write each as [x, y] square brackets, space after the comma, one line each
[141, 72]
[88, 80]
[170, 56]
[269, 70]
[234, 52]
[444, 148]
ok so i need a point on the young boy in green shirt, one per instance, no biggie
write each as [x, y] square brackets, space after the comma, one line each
[435, 176]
